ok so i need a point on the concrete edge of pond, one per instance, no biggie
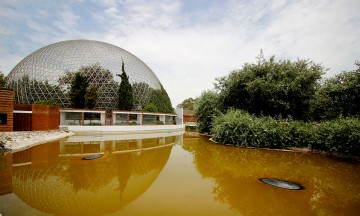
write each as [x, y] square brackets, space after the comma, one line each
[21, 140]
[123, 129]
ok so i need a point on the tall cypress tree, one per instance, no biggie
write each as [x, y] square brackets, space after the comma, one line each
[125, 91]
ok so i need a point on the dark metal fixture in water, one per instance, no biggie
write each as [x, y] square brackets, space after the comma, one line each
[282, 184]
[92, 157]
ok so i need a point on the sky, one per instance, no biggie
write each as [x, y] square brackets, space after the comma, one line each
[189, 43]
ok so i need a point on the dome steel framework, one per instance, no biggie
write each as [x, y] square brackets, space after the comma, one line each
[38, 76]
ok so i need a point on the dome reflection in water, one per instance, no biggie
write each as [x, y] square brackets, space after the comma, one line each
[172, 175]
[54, 179]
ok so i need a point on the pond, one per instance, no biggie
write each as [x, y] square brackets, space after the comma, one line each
[172, 174]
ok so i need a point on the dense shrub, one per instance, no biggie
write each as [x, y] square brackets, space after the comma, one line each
[206, 107]
[47, 102]
[340, 136]
[239, 128]
[242, 129]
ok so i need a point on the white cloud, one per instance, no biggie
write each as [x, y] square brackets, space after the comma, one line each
[66, 20]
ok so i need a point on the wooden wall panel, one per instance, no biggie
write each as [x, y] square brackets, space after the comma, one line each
[7, 107]
[40, 117]
[54, 118]
[22, 121]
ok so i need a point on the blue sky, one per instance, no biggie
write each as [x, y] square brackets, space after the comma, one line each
[189, 43]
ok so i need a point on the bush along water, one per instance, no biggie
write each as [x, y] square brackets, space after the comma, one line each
[340, 136]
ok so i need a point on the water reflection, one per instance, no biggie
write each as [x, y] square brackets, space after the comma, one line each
[53, 179]
[331, 187]
[212, 180]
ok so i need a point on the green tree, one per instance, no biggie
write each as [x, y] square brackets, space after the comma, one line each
[2, 80]
[91, 97]
[78, 90]
[161, 100]
[206, 108]
[338, 96]
[141, 94]
[150, 108]
[125, 92]
[271, 88]
[187, 104]
[98, 77]
[34, 90]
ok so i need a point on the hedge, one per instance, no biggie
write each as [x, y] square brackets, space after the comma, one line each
[340, 136]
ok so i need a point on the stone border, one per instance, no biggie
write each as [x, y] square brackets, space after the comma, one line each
[21, 140]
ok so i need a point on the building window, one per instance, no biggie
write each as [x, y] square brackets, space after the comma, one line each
[121, 119]
[3, 118]
[73, 116]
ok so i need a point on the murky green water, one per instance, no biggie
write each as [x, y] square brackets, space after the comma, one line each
[171, 174]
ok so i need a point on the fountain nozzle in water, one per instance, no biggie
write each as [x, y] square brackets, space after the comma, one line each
[92, 157]
[281, 184]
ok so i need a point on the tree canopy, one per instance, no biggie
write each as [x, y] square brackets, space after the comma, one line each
[206, 107]
[187, 104]
[91, 97]
[141, 94]
[150, 108]
[98, 77]
[2, 80]
[161, 100]
[338, 96]
[271, 88]
[78, 90]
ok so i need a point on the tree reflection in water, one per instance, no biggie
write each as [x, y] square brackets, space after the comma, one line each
[67, 185]
[331, 186]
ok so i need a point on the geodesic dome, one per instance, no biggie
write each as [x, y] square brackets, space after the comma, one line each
[38, 76]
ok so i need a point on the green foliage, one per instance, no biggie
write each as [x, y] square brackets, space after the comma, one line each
[2, 80]
[150, 108]
[78, 90]
[98, 77]
[144, 90]
[91, 97]
[157, 97]
[159, 123]
[340, 136]
[125, 91]
[133, 123]
[338, 96]
[187, 104]
[271, 88]
[47, 102]
[242, 129]
[206, 108]
[34, 89]
[161, 100]
[191, 128]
